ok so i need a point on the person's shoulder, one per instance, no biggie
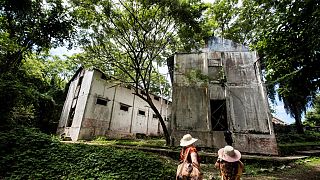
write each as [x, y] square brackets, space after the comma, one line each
[193, 149]
[241, 164]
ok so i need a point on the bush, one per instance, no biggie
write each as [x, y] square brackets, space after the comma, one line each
[29, 154]
[308, 136]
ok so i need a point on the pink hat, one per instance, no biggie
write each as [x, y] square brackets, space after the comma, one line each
[229, 154]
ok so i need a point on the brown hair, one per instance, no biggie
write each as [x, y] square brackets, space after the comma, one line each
[229, 169]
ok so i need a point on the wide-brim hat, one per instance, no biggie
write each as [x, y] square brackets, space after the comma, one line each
[229, 154]
[187, 140]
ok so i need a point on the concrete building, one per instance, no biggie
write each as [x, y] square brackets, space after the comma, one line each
[94, 107]
[278, 121]
[221, 90]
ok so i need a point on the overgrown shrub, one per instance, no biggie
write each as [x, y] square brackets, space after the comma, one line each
[29, 154]
[292, 137]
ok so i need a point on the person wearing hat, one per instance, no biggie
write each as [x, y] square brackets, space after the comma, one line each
[189, 154]
[229, 163]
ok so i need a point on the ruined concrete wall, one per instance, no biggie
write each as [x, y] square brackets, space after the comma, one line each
[122, 120]
[97, 116]
[77, 97]
[66, 107]
[81, 105]
[233, 76]
[99, 110]
[256, 143]
[245, 91]
[190, 96]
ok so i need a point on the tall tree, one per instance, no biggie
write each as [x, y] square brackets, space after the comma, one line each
[223, 13]
[131, 38]
[35, 93]
[26, 26]
[31, 25]
[290, 50]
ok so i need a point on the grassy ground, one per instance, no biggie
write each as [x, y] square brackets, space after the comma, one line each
[308, 169]
[29, 154]
[300, 170]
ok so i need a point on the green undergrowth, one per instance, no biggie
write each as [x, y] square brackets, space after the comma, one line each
[292, 137]
[289, 143]
[305, 167]
[29, 154]
[160, 143]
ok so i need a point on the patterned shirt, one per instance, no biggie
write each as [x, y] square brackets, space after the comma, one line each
[184, 151]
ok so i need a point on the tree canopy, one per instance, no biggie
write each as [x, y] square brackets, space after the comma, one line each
[286, 36]
[28, 86]
[312, 117]
[128, 40]
[31, 25]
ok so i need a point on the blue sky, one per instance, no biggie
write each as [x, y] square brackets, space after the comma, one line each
[281, 113]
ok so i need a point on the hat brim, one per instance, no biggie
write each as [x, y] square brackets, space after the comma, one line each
[227, 158]
[187, 143]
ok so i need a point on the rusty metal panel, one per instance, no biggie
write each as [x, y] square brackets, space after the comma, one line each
[215, 73]
[248, 111]
[214, 55]
[191, 105]
[216, 91]
[240, 67]
[186, 63]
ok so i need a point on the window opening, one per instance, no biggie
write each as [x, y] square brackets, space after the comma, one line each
[102, 101]
[156, 98]
[104, 77]
[80, 80]
[70, 118]
[218, 115]
[124, 107]
[143, 113]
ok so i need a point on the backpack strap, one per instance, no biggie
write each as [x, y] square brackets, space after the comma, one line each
[184, 160]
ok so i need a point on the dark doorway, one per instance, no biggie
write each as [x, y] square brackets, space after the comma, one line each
[218, 115]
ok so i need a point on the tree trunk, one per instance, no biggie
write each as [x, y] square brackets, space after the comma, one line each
[299, 126]
[164, 127]
[155, 110]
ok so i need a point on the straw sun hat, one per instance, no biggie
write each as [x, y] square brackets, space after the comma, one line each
[229, 154]
[187, 140]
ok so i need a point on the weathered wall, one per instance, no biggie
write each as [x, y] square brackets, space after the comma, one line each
[79, 100]
[190, 98]
[121, 120]
[224, 45]
[233, 75]
[94, 119]
[97, 117]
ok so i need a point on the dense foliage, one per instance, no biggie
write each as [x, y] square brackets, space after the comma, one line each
[31, 25]
[34, 94]
[291, 54]
[312, 117]
[31, 87]
[286, 35]
[28, 154]
[292, 137]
